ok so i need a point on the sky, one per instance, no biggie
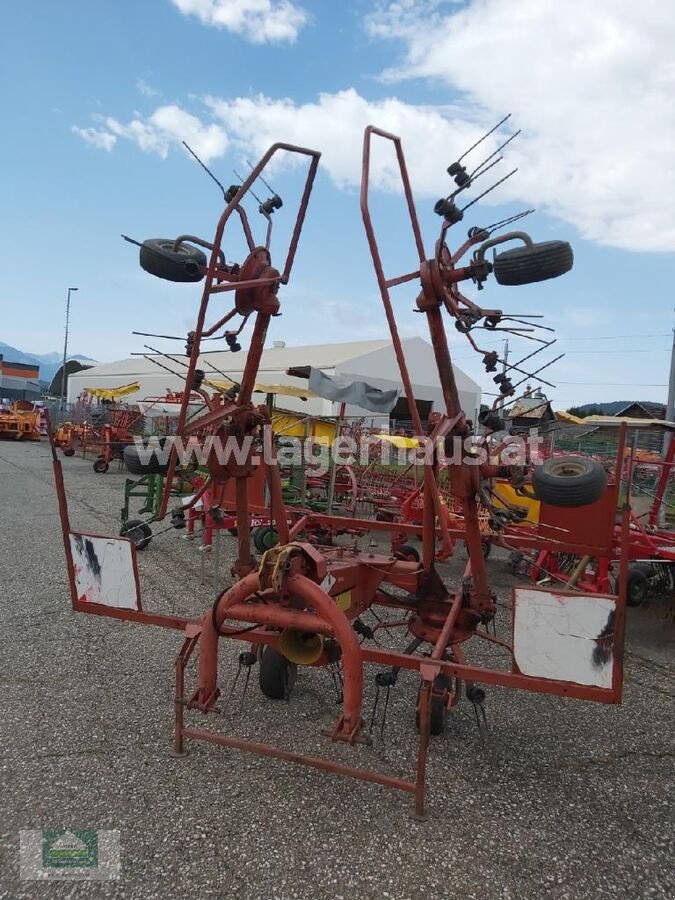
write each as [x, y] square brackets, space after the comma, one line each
[98, 96]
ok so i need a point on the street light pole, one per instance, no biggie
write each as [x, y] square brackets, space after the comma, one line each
[65, 350]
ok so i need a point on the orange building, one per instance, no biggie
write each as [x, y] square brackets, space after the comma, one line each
[19, 381]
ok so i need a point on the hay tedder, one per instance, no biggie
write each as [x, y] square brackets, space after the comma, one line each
[301, 604]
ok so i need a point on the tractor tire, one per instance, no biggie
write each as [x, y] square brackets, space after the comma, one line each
[101, 466]
[638, 586]
[408, 553]
[137, 532]
[569, 481]
[438, 713]
[276, 674]
[151, 466]
[265, 537]
[68, 451]
[158, 257]
[529, 264]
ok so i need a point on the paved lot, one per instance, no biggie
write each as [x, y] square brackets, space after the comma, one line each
[569, 799]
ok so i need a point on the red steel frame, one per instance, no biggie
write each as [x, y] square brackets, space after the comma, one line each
[643, 542]
[302, 587]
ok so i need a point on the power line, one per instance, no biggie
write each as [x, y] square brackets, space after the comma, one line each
[621, 352]
[611, 384]
[613, 337]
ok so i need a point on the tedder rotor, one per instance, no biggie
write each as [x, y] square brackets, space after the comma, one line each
[301, 603]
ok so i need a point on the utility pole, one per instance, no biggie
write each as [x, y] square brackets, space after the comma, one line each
[65, 350]
[670, 406]
[670, 415]
[505, 361]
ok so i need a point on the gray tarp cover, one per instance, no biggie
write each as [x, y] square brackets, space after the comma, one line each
[358, 393]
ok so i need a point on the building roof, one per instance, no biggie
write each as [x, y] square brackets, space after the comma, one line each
[274, 359]
[650, 409]
[532, 407]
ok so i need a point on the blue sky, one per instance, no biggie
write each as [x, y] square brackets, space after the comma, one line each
[97, 96]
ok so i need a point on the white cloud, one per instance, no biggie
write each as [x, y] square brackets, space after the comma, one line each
[591, 84]
[335, 123]
[144, 88]
[259, 21]
[167, 126]
[97, 137]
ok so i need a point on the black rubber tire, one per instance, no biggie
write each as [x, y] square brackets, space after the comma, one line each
[158, 257]
[527, 265]
[638, 586]
[138, 532]
[276, 674]
[408, 553]
[438, 714]
[265, 537]
[486, 547]
[101, 466]
[134, 465]
[68, 451]
[569, 481]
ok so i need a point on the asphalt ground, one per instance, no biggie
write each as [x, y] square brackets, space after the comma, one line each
[567, 799]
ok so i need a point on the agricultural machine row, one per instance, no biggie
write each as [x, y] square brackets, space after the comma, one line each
[297, 600]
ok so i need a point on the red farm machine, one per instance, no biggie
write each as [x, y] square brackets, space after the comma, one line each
[300, 604]
[648, 546]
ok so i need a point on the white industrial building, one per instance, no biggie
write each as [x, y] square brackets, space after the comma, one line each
[371, 361]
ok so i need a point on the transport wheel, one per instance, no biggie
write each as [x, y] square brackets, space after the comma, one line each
[149, 466]
[276, 674]
[158, 257]
[536, 262]
[265, 537]
[638, 586]
[68, 451]
[408, 553]
[101, 466]
[569, 481]
[486, 547]
[138, 532]
[438, 713]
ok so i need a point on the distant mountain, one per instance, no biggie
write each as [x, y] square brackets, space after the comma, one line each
[49, 362]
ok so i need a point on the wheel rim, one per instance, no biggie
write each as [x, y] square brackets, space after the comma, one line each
[568, 469]
[270, 539]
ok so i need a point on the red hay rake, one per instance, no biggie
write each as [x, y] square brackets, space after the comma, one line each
[301, 603]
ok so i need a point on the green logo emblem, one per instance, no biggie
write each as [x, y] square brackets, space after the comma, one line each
[64, 849]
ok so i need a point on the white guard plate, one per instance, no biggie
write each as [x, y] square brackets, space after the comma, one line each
[104, 571]
[565, 637]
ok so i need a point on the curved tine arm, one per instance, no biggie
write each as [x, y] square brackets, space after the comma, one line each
[407, 190]
[377, 261]
[211, 272]
[459, 253]
[304, 202]
[201, 242]
[248, 234]
[509, 236]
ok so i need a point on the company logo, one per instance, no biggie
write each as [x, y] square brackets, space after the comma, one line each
[74, 849]
[59, 854]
